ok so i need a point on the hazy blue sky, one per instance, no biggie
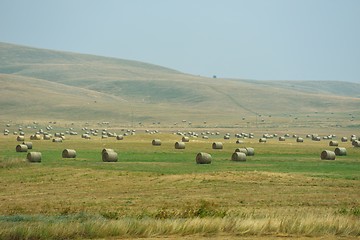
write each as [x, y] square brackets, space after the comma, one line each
[252, 39]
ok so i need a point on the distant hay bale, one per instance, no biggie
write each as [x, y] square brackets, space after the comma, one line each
[110, 156]
[239, 141]
[242, 150]
[69, 153]
[356, 143]
[203, 158]
[205, 137]
[344, 139]
[63, 137]
[333, 143]
[34, 157]
[327, 155]
[119, 137]
[20, 138]
[238, 156]
[35, 137]
[282, 139]
[156, 142]
[47, 137]
[250, 151]
[185, 139]
[340, 151]
[28, 144]
[21, 148]
[217, 145]
[57, 140]
[180, 145]
[226, 137]
[262, 140]
[299, 139]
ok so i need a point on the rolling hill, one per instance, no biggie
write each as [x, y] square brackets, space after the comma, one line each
[39, 84]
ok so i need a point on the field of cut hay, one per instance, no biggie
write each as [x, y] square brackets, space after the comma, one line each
[284, 190]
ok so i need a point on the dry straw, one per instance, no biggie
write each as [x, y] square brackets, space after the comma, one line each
[203, 158]
[69, 153]
[34, 157]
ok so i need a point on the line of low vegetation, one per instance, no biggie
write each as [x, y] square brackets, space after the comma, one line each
[203, 220]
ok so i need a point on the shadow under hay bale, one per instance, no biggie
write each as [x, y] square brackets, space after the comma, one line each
[21, 148]
[340, 151]
[110, 156]
[203, 158]
[238, 156]
[179, 145]
[327, 155]
[156, 142]
[68, 153]
[217, 145]
[34, 157]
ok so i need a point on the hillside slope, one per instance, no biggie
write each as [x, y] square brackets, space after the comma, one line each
[43, 84]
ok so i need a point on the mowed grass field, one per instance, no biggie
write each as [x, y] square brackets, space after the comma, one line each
[284, 190]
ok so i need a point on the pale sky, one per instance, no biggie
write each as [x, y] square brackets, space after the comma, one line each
[248, 39]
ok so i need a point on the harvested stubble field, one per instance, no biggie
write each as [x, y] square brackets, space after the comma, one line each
[285, 190]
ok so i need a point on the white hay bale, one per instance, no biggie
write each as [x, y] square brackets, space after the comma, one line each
[238, 156]
[110, 156]
[203, 158]
[20, 138]
[156, 142]
[57, 140]
[333, 143]
[281, 139]
[107, 150]
[180, 145]
[68, 153]
[34, 157]
[217, 145]
[243, 150]
[262, 140]
[340, 151]
[299, 140]
[119, 137]
[28, 144]
[185, 139]
[250, 151]
[327, 155]
[344, 139]
[21, 148]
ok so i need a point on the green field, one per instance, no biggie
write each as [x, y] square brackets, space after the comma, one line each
[284, 190]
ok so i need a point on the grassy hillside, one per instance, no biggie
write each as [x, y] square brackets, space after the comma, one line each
[42, 84]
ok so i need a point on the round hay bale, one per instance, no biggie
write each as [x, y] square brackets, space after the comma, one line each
[21, 148]
[110, 156]
[344, 139]
[63, 137]
[47, 137]
[356, 143]
[119, 137]
[179, 145]
[35, 137]
[217, 145]
[34, 157]
[107, 150]
[327, 155]
[57, 139]
[340, 151]
[69, 153]
[238, 156]
[28, 144]
[20, 138]
[299, 139]
[226, 137]
[203, 158]
[250, 151]
[242, 150]
[281, 139]
[185, 139]
[262, 140]
[239, 141]
[333, 143]
[156, 142]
